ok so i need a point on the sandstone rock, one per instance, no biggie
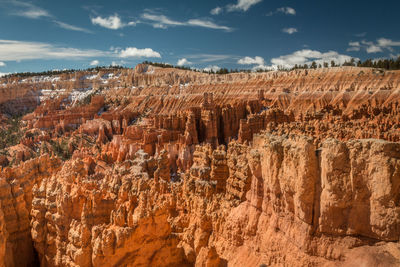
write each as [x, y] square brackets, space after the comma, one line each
[181, 168]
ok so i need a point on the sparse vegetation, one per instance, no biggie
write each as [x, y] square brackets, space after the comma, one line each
[58, 72]
[387, 64]
[220, 71]
[12, 133]
[60, 148]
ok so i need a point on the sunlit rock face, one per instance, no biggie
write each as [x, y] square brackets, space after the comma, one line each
[166, 167]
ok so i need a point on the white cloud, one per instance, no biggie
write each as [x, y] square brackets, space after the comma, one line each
[287, 10]
[354, 43]
[251, 61]
[11, 50]
[307, 56]
[289, 30]
[214, 68]
[383, 42]
[113, 22]
[373, 49]
[137, 53]
[71, 27]
[94, 63]
[29, 10]
[119, 63]
[34, 14]
[353, 48]
[3, 74]
[207, 24]
[183, 62]
[366, 42]
[163, 22]
[2, 64]
[284, 10]
[263, 67]
[242, 5]
[211, 57]
[216, 11]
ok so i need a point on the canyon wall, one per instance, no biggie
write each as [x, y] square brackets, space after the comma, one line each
[167, 167]
[277, 195]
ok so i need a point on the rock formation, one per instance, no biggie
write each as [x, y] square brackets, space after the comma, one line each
[165, 167]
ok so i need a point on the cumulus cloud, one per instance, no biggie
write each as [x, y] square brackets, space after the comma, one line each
[134, 52]
[11, 50]
[354, 46]
[289, 30]
[380, 45]
[251, 61]
[94, 62]
[2, 64]
[307, 56]
[287, 10]
[163, 22]
[213, 68]
[373, 49]
[242, 5]
[216, 11]
[384, 42]
[354, 43]
[183, 62]
[113, 22]
[284, 10]
[3, 74]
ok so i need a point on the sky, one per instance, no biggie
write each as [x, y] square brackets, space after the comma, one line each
[40, 35]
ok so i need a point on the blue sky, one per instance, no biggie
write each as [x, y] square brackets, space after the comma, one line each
[42, 35]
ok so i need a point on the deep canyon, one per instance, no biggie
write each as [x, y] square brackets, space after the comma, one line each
[167, 167]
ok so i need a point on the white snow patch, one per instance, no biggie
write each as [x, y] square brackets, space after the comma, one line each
[89, 77]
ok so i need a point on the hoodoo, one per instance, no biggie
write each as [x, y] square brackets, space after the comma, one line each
[279, 168]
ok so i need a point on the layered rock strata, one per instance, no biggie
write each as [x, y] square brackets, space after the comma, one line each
[166, 167]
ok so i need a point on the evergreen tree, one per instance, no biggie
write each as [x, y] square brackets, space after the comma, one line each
[313, 65]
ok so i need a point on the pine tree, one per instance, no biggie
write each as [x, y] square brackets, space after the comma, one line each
[313, 65]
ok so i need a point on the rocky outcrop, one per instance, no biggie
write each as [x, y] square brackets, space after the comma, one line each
[246, 205]
[168, 167]
[16, 203]
[360, 183]
[114, 221]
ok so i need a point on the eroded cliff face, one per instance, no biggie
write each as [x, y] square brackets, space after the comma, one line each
[178, 168]
[16, 198]
[282, 202]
